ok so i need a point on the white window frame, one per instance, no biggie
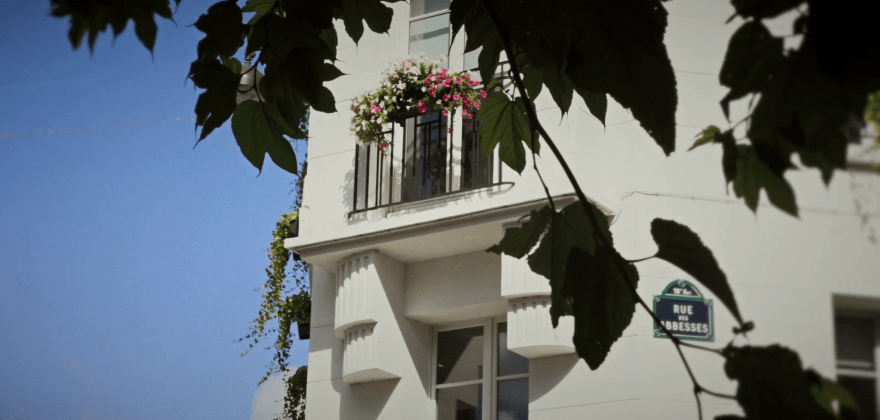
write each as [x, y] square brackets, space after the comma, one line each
[853, 371]
[490, 364]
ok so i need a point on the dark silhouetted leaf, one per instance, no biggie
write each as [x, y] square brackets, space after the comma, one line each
[752, 58]
[606, 47]
[559, 85]
[258, 129]
[533, 82]
[94, 16]
[569, 228]
[596, 102]
[377, 15]
[773, 383]
[505, 122]
[729, 156]
[763, 9]
[459, 11]
[602, 302]
[681, 247]
[518, 242]
[752, 175]
[259, 7]
[216, 104]
[224, 30]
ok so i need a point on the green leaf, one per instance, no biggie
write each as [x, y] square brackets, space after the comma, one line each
[217, 103]
[224, 30]
[596, 102]
[258, 130]
[602, 301]
[826, 392]
[681, 247]
[533, 82]
[753, 56]
[773, 383]
[259, 7]
[518, 242]
[505, 122]
[377, 15]
[488, 59]
[752, 175]
[568, 229]
[709, 135]
[233, 64]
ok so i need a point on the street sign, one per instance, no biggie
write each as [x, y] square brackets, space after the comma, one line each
[685, 312]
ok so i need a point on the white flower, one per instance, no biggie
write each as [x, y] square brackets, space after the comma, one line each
[394, 99]
[424, 89]
[363, 107]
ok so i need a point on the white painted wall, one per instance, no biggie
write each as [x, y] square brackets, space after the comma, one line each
[785, 271]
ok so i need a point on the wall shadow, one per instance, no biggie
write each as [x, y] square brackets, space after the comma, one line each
[547, 372]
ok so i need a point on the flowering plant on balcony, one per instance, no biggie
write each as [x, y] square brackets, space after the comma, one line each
[413, 84]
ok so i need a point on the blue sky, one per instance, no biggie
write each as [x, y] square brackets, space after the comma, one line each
[128, 259]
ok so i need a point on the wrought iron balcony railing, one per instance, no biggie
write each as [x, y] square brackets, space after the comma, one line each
[424, 160]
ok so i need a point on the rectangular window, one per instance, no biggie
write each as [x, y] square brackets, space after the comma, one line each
[425, 168]
[855, 339]
[429, 29]
[473, 365]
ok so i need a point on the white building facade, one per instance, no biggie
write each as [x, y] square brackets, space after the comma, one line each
[413, 319]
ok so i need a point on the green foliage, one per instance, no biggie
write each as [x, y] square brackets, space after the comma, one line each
[295, 398]
[872, 115]
[354, 12]
[577, 47]
[752, 175]
[681, 247]
[773, 384]
[93, 17]
[504, 122]
[257, 136]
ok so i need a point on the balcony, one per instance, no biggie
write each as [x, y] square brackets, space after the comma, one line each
[430, 156]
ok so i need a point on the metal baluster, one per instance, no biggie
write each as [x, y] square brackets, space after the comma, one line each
[357, 152]
[367, 180]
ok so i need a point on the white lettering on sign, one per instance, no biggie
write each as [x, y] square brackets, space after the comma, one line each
[680, 291]
[697, 327]
[683, 309]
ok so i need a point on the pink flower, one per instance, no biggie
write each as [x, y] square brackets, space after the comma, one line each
[433, 94]
[464, 111]
[443, 73]
[445, 113]
[483, 95]
[466, 77]
[421, 104]
[456, 96]
[430, 76]
[471, 83]
[447, 81]
[448, 130]
[422, 110]
[471, 116]
[458, 80]
[446, 98]
[477, 105]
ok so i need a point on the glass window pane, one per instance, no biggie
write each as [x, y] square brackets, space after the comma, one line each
[426, 151]
[430, 36]
[460, 355]
[471, 60]
[513, 399]
[509, 363]
[854, 339]
[864, 391]
[476, 168]
[420, 7]
[460, 403]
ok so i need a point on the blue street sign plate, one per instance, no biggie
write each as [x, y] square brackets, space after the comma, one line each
[685, 312]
